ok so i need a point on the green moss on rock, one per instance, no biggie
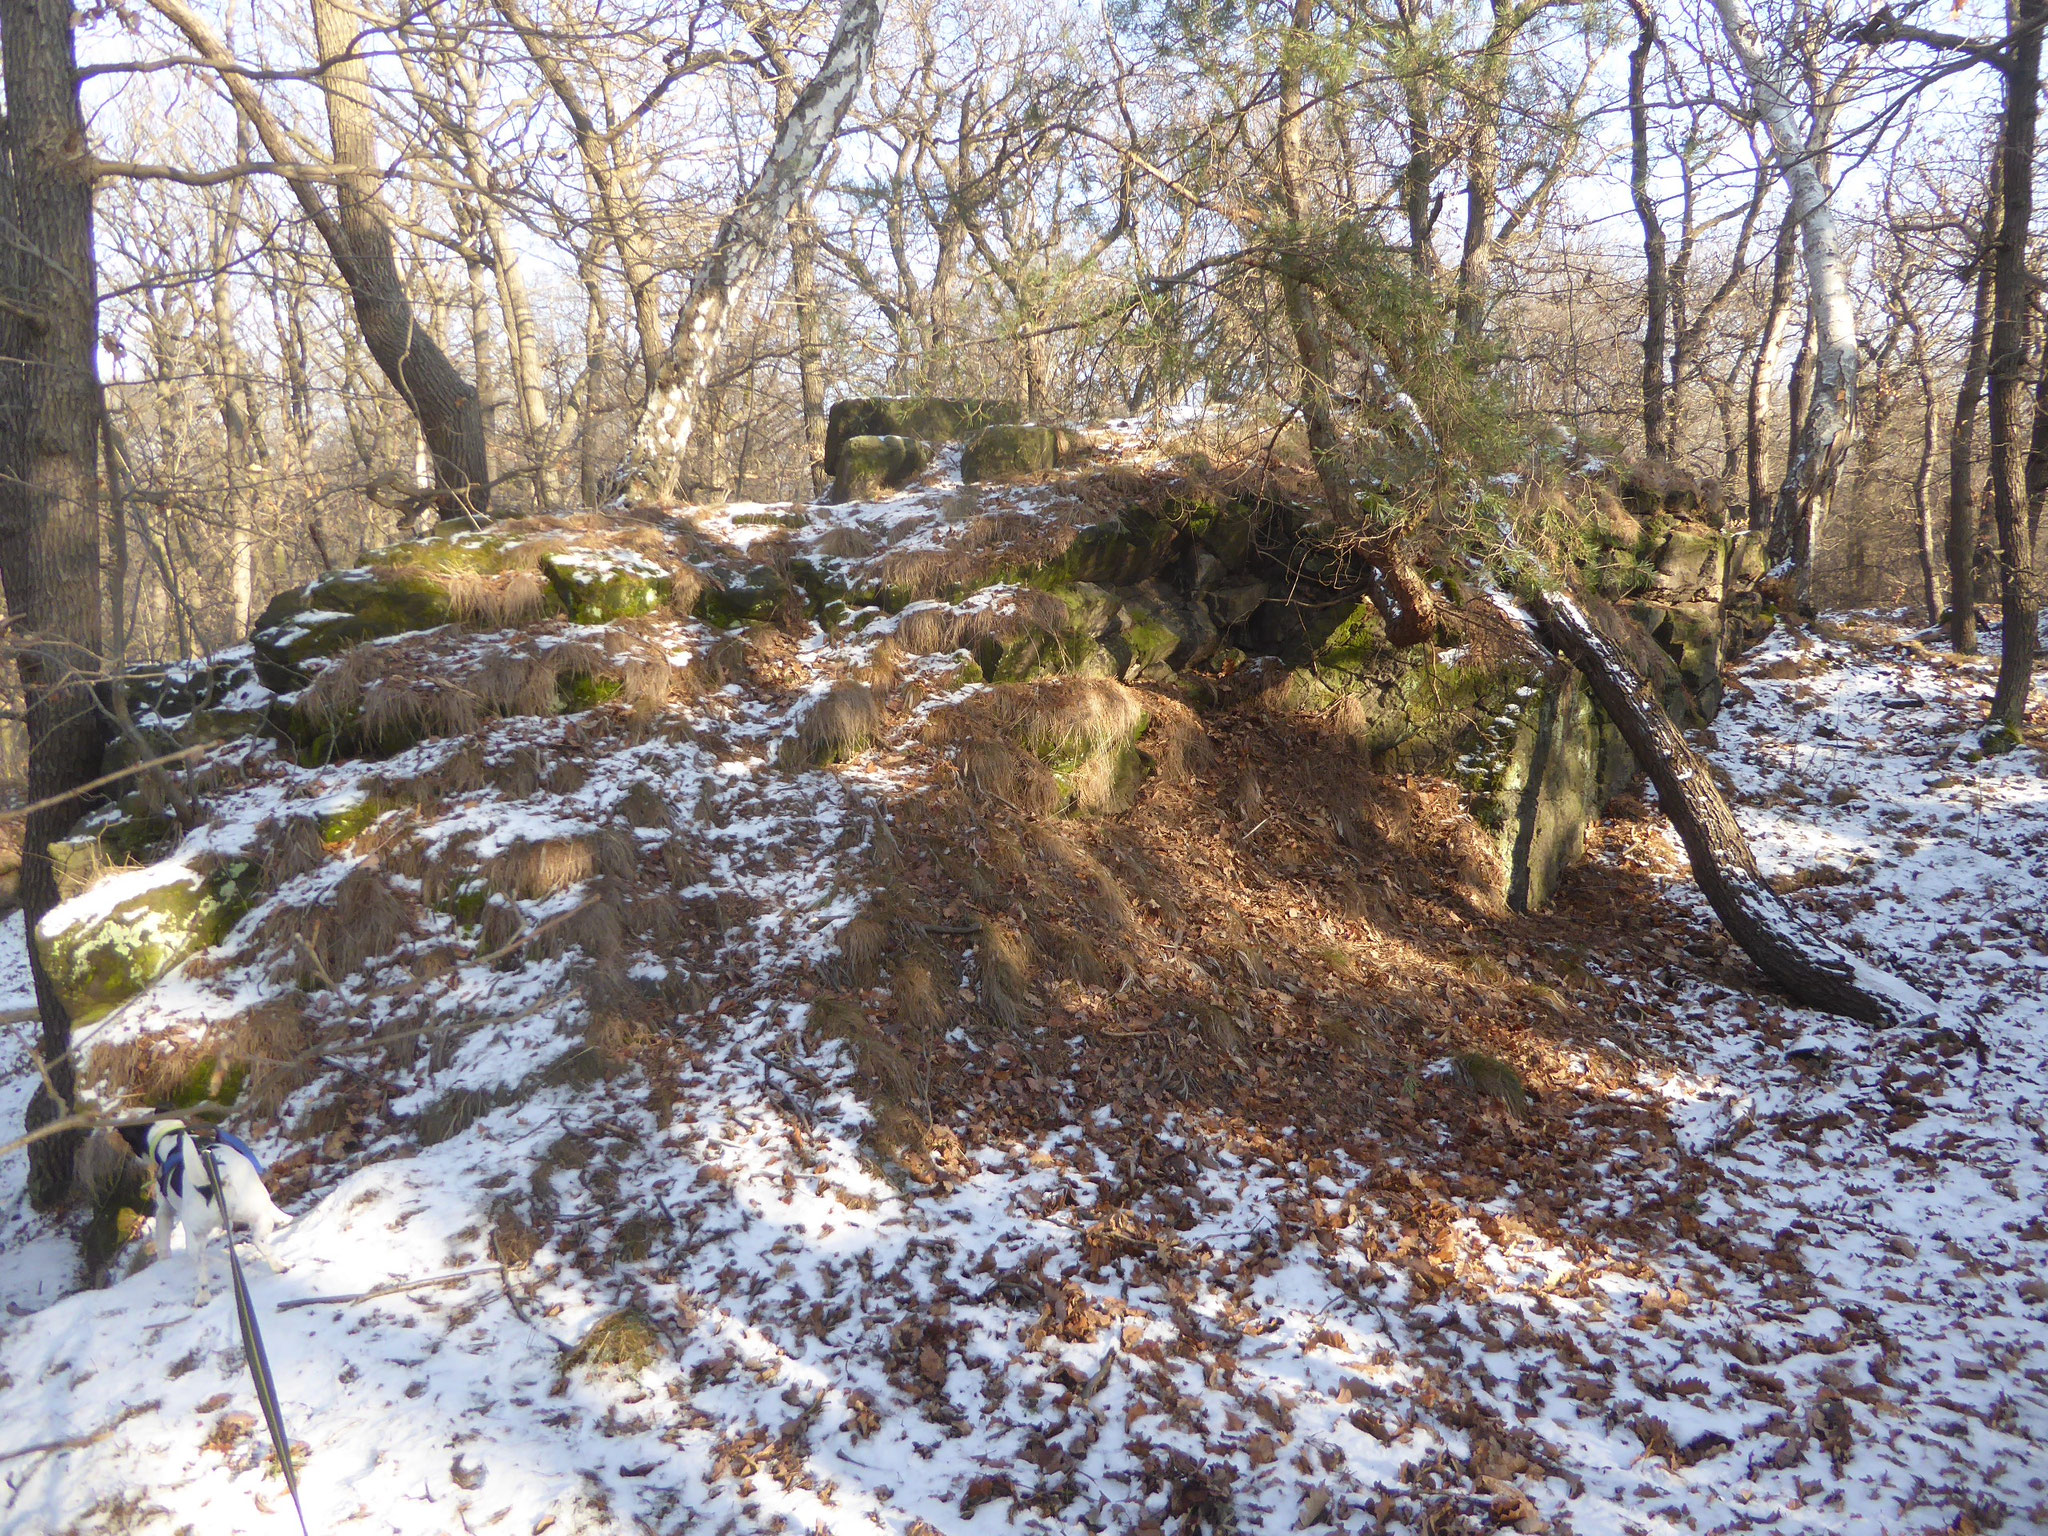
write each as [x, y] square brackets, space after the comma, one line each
[597, 586]
[1013, 451]
[340, 610]
[929, 418]
[869, 465]
[105, 946]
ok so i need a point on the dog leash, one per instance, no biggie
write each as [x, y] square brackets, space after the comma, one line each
[252, 1337]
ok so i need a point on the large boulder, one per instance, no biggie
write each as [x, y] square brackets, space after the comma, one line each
[869, 465]
[105, 946]
[342, 609]
[1689, 565]
[930, 418]
[1011, 451]
[597, 586]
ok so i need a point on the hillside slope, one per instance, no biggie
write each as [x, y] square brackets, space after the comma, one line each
[872, 1097]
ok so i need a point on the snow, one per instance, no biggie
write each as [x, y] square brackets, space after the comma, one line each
[1847, 1338]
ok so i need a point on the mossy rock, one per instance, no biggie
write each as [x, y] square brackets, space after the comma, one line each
[458, 549]
[1748, 558]
[869, 465]
[1692, 635]
[1035, 654]
[1014, 451]
[347, 813]
[771, 517]
[576, 691]
[597, 586]
[752, 596]
[1230, 606]
[340, 610]
[929, 418]
[1689, 564]
[1163, 632]
[1123, 550]
[107, 945]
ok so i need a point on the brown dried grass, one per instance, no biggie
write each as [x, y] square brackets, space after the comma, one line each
[505, 600]
[844, 720]
[844, 543]
[538, 869]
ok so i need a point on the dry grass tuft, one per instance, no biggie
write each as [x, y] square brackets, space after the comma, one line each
[1004, 957]
[839, 723]
[643, 806]
[503, 601]
[287, 848]
[927, 629]
[366, 920]
[1175, 742]
[862, 943]
[1493, 1078]
[541, 868]
[996, 772]
[844, 543]
[917, 995]
[596, 928]
[267, 1045]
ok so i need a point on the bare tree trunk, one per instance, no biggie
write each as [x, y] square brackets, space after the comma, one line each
[614, 200]
[745, 239]
[1482, 180]
[1418, 175]
[2037, 454]
[1812, 971]
[49, 482]
[237, 410]
[1830, 426]
[810, 346]
[1923, 476]
[357, 235]
[1962, 494]
[2018, 614]
[1770, 350]
[1398, 593]
[1656, 298]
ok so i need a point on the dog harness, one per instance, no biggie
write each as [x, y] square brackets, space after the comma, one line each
[167, 1151]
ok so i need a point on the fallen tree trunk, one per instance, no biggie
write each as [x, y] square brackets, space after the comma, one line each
[1813, 971]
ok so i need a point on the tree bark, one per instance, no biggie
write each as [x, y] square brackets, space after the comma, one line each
[1923, 477]
[2018, 615]
[1656, 297]
[446, 404]
[746, 238]
[1830, 426]
[1762, 374]
[49, 483]
[1962, 492]
[1398, 593]
[1812, 971]
[357, 235]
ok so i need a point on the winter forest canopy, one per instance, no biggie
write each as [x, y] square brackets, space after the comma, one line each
[1045, 758]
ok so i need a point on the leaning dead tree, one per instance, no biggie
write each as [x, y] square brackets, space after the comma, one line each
[1812, 970]
[747, 238]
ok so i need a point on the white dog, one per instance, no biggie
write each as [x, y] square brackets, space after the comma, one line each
[185, 1193]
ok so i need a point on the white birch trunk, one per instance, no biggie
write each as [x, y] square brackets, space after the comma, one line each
[1811, 471]
[747, 238]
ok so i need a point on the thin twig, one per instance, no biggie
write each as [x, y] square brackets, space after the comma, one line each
[22, 811]
[387, 1290]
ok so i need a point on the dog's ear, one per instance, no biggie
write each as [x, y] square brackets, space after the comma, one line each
[137, 1137]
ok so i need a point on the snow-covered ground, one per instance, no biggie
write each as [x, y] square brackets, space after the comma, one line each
[1850, 1335]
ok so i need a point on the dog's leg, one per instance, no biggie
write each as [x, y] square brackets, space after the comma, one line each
[201, 1294]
